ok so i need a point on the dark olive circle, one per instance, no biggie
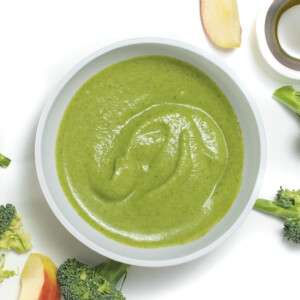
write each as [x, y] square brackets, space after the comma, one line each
[274, 13]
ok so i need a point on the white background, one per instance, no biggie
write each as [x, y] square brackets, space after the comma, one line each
[40, 41]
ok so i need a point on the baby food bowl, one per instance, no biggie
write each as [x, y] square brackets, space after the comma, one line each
[245, 110]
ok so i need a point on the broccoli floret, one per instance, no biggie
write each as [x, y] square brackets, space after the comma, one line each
[5, 273]
[286, 198]
[287, 207]
[289, 97]
[292, 229]
[12, 235]
[4, 161]
[78, 281]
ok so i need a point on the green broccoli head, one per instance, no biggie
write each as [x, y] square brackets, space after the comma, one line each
[12, 235]
[5, 273]
[79, 281]
[292, 229]
[286, 198]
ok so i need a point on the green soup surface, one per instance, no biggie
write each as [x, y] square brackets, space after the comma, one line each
[150, 152]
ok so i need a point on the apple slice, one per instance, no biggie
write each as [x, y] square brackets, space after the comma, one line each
[38, 279]
[220, 19]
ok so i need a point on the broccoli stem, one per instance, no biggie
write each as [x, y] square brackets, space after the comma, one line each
[288, 96]
[272, 208]
[113, 270]
[4, 161]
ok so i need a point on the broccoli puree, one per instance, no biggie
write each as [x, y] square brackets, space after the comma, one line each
[150, 152]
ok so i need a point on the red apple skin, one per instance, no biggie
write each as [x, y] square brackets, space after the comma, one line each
[50, 289]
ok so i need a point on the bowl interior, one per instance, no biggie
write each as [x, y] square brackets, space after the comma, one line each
[245, 110]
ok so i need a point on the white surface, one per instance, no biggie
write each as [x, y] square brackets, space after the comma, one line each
[245, 109]
[288, 31]
[264, 48]
[41, 41]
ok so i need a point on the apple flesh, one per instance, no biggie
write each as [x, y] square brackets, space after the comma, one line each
[221, 22]
[38, 279]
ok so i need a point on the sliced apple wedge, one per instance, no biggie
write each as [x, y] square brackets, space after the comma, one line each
[38, 279]
[220, 19]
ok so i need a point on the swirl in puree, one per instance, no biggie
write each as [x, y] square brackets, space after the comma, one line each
[150, 153]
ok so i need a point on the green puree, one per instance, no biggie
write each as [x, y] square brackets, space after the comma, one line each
[150, 152]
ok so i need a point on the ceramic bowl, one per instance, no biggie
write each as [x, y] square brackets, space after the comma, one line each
[245, 109]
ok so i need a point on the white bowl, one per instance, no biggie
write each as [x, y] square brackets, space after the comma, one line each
[245, 110]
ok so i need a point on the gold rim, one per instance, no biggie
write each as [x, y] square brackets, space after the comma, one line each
[274, 13]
